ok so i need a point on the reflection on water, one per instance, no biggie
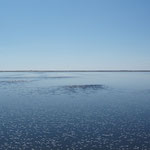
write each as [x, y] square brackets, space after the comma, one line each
[60, 111]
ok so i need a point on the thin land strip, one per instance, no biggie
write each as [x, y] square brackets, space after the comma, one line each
[74, 70]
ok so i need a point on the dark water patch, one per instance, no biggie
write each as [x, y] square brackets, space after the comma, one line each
[85, 87]
[42, 77]
[70, 89]
[9, 82]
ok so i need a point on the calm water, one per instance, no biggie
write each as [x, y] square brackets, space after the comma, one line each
[72, 111]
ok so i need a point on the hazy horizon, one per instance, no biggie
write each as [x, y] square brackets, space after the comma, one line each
[79, 70]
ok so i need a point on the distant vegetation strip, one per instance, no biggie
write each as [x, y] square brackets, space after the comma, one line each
[74, 70]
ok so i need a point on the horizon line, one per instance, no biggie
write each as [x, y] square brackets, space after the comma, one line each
[111, 70]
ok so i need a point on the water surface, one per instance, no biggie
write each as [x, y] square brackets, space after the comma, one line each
[89, 111]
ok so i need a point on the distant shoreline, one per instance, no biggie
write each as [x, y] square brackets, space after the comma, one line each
[74, 70]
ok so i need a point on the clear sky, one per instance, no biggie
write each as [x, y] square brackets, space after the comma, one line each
[74, 34]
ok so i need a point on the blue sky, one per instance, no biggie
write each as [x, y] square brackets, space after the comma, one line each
[74, 34]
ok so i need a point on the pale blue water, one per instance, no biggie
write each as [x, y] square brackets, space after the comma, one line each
[90, 111]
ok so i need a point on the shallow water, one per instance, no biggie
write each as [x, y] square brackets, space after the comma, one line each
[90, 111]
